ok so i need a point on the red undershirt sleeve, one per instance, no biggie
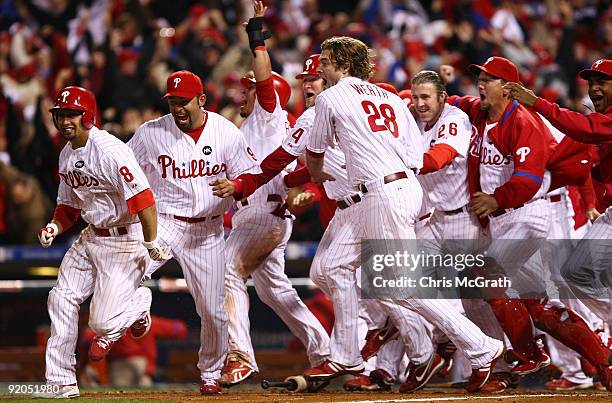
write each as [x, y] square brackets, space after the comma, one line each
[140, 201]
[66, 215]
[266, 96]
[437, 157]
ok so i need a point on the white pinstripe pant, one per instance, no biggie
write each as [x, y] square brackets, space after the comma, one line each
[256, 247]
[199, 249]
[588, 271]
[110, 268]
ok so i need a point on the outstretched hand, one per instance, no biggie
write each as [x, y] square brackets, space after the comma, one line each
[259, 9]
[223, 187]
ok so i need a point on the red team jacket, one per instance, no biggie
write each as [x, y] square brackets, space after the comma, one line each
[518, 127]
[592, 128]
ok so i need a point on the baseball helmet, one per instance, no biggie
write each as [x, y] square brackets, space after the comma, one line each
[281, 86]
[77, 99]
[311, 65]
[406, 95]
[387, 87]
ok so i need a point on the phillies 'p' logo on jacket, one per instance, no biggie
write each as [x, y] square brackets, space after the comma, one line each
[523, 152]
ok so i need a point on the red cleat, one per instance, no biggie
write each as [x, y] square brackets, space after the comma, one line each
[376, 338]
[500, 381]
[605, 376]
[481, 375]
[330, 369]
[362, 383]
[141, 327]
[210, 387]
[447, 351]
[419, 375]
[525, 367]
[564, 384]
[236, 370]
[99, 348]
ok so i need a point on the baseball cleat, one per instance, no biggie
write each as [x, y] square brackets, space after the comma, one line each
[447, 351]
[500, 381]
[141, 327]
[566, 384]
[361, 382]
[419, 375]
[236, 370]
[605, 376]
[210, 386]
[330, 369]
[481, 375]
[379, 379]
[525, 367]
[59, 392]
[99, 348]
[376, 338]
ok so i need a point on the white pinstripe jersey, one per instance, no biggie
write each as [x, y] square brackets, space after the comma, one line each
[447, 188]
[180, 170]
[497, 169]
[264, 132]
[334, 163]
[373, 127]
[98, 179]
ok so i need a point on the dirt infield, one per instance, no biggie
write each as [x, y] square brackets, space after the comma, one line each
[253, 394]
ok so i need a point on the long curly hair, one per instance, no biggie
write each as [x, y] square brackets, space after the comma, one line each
[351, 53]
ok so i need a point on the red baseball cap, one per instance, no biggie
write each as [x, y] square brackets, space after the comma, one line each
[601, 66]
[311, 66]
[183, 84]
[498, 67]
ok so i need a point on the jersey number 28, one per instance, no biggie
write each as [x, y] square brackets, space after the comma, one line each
[383, 112]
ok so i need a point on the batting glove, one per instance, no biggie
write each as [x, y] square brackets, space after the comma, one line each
[157, 252]
[47, 235]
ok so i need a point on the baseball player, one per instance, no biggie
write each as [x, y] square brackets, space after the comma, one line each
[584, 269]
[102, 182]
[382, 146]
[507, 161]
[261, 228]
[181, 153]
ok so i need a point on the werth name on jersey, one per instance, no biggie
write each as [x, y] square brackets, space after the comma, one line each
[192, 169]
[75, 179]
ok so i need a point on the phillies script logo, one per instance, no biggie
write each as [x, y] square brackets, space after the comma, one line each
[75, 179]
[492, 157]
[192, 169]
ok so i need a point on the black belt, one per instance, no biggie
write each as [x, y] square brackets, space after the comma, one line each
[270, 198]
[387, 179]
[193, 220]
[107, 232]
[342, 204]
[456, 211]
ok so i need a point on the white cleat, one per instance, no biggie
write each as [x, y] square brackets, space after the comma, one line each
[59, 392]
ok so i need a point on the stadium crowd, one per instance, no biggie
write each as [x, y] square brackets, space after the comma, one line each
[123, 50]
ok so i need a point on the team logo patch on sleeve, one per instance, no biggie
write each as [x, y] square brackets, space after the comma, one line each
[79, 164]
[207, 150]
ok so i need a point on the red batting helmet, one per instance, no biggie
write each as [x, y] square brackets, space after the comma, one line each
[281, 86]
[77, 99]
[387, 87]
[311, 66]
[406, 95]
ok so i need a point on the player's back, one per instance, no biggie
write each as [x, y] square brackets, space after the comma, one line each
[374, 129]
